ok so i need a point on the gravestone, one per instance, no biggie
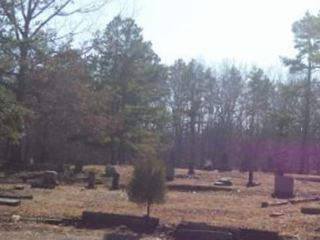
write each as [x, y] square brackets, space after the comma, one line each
[115, 181]
[91, 180]
[47, 180]
[250, 179]
[223, 182]
[10, 202]
[109, 171]
[283, 186]
[208, 166]
[50, 179]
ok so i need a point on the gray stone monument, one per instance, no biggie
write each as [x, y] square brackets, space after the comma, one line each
[115, 181]
[50, 179]
[91, 181]
[283, 187]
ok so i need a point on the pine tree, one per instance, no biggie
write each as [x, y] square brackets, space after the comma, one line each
[307, 61]
[147, 185]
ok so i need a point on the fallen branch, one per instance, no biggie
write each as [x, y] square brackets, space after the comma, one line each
[304, 200]
[276, 214]
[274, 204]
[308, 179]
[292, 201]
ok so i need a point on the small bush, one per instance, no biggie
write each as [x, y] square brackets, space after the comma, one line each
[147, 185]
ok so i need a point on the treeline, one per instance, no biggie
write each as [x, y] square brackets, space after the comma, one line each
[115, 102]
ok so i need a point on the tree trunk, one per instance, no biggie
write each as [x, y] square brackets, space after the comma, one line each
[148, 209]
[112, 152]
[177, 145]
[304, 160]
[192, 141]
[18, 151]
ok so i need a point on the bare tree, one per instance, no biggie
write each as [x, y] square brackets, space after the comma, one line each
[24, 21]
[23, 31]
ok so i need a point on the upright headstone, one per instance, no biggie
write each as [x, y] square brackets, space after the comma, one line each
[50, 179]
[115, 181]
[91, 180]
[208, 166]
[47, 180]
[109, 171]
[31, 161]
[250, 179]
[283, 186]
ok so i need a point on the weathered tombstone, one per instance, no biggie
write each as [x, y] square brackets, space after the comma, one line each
[10, 202]
[250, 179]
[109, 171]
[31, 161]
[91, 180]
[283, 186]
[50, 179]
[115, 181]
[224, 182]
[208, 166]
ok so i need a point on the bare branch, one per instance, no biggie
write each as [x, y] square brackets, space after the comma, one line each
[55, 13]
[43, 9]
[23, 9]
[12, 18]
[31, 8]
[89, 8]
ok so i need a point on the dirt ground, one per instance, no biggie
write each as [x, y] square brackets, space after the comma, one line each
[240, 208]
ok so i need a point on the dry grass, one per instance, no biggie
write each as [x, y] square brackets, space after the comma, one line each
[236, 209]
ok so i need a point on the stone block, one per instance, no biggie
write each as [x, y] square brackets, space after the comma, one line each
[283, 187]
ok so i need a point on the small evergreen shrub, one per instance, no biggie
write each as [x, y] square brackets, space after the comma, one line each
[147, 185]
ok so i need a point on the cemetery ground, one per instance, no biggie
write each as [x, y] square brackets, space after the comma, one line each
[238, 208]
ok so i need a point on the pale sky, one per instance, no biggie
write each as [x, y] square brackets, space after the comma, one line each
[247, 31]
